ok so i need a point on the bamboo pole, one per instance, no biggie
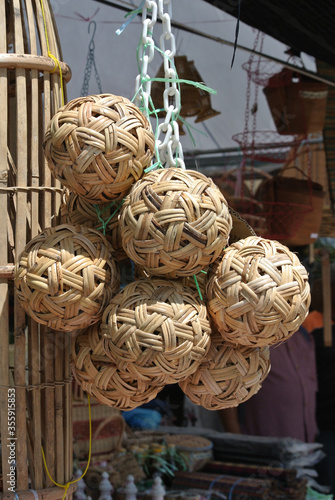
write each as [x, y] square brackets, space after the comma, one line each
[45, 214]
[33, 201]
[32, 61]
[59, 95]
[46, 494]
[20, 240]
[34, 330]
[68, 445]
[4, 303]
[59, 351]
[47, 368]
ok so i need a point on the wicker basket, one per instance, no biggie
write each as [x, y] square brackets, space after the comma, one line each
[195, 101]
[197, 451]
[293, 208]
[258, 293]
[157, 330]
[99, 376]
[297, 103]
[65, 277]
[241, 200]
[267, 146]
[228, 376]
[98, 146]
[175, 222]
[107, 429]
[76, 210]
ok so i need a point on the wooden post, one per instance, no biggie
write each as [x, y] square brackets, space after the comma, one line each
[327, 301]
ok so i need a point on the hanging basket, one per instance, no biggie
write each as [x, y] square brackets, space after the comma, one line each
[105, 218]
[157, 330]
[228, 376]
[65, 277]
[292, 207]
[250, 210]
[99, 376]
[195, 101]
[258, 293]
[227, 183]
[297, 103]
[241, 228]
[261, 70]
[267, 146]
[174, 222]
[98, 146]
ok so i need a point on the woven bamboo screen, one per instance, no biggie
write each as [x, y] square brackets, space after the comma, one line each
[32, 359]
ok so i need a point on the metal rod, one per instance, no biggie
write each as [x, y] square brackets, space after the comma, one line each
[222, 41]
[191, 154]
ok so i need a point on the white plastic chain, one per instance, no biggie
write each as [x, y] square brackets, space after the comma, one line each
[169, 148]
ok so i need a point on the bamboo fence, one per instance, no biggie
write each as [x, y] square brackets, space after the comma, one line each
[33, 360]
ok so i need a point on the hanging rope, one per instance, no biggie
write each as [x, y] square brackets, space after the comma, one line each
[236, 32]
[54, 58]
[89, 63]
[67, 485]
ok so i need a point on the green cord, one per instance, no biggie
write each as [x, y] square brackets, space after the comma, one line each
[197, 285]
[99, 212]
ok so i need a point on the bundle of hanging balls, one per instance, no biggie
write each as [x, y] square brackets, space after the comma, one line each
[199, 313]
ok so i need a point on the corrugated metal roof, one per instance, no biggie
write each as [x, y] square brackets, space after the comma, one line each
[304, 25]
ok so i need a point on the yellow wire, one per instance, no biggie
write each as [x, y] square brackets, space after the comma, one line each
[67, 485]
[57, 63]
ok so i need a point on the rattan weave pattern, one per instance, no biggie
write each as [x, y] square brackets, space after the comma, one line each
[228, 376]
[76, 210]
[157, 330]
[258, 293]
[100, 377]
[188, 281]
[97, 146]
[175, 222]
[66, 276]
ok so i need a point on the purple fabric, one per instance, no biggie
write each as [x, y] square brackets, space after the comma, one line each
[285, 405]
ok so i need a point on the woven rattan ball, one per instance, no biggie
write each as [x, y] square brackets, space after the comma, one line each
[174, 222]
[157, 330]
[197, 282]
[228, 376]
[258, 293]
[99, 376]
[76, 210]
[98, 146]
[65, 277]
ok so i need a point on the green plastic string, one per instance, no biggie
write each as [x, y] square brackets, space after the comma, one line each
[153, 110]
[198, 287]
[153, 167]
[199, 85]
[189, 127]
[99, 212]
[133, 14]
[205, 272]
